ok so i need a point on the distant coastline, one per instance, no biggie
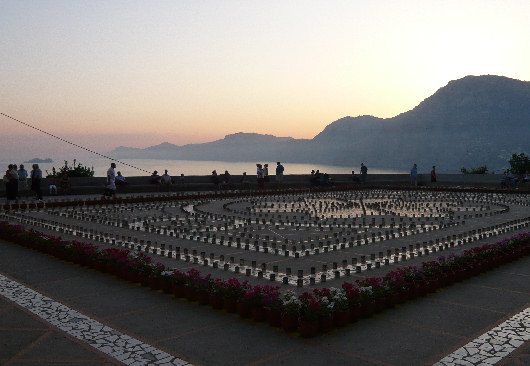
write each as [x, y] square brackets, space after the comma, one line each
[39, 161]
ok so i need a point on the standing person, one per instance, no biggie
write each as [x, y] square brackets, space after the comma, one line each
[414, 175]
[433, 174]
[110, 187]
[260, 176]
[279, 173]
[13, 181]
[7, 181]
[22, 180]
[266, 172]
[215, 179]
[65, 184]
[165, 180]
[364, 172]
[155, 178]
[227, 180]
[244, 181]
[36, 177]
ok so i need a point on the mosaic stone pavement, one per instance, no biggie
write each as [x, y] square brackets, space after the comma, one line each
[115, 344]
[494, 345]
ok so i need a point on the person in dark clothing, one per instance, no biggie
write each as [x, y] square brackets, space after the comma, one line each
[36, 177]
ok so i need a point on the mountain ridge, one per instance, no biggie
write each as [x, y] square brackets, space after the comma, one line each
[472, 121]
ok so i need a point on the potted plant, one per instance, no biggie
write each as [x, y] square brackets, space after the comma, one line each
[216, 294]
[312, 311]
[233, 290]
[290, 310]
[273, 304]
[341, 310]
[354, 300]
[179, 282]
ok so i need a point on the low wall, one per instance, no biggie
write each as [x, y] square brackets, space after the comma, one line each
[95, 185]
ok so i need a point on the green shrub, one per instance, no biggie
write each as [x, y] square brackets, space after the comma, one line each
[72, 171]
[520, 164]
[477, 170]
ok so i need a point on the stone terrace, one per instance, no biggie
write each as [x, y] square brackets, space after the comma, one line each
[298, 241]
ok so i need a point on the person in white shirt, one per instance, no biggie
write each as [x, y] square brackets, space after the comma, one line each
[165, 180]
[261, 177]
[110, 187]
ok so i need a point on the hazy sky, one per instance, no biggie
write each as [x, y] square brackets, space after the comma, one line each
[144, 72]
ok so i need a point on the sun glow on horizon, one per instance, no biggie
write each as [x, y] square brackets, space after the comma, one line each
[191, 72]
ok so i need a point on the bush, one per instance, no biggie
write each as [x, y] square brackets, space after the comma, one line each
[520, 164]
[477, 170]
[72, 171]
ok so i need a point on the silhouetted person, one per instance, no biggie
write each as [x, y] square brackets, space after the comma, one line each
[279, 173]
[414, 175]
[244, 181]
[215, 179]
[260, 176]
[36, 177]
[155, 178]
[22, 180]
[433, 174]
[227, 180]
[364, 173]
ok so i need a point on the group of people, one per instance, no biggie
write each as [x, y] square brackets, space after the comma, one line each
[164, 180]
[319, 179]
[511, 180]
[222, 181]
[364, 174]
[16, 181]
[413, 175]
[262, 174]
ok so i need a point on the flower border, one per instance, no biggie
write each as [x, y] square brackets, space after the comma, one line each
[308, 313]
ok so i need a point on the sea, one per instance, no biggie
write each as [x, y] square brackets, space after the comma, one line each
[140, 167]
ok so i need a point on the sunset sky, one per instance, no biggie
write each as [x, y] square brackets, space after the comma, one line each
[138, 73]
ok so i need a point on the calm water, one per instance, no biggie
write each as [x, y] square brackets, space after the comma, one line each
[190, 167]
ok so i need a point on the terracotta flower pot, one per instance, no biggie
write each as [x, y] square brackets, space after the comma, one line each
[166, 286]
[244, 310]
[178, 290]
[308, 328]
[190, 293]
[155, 283]
[230, 305]
[379, 305]
[289, 323]
[274, 318]
[341, 318]
[325, 323]
[355, 313]
[367, 309]
[203, 297]
[216, 301]
[259, 314]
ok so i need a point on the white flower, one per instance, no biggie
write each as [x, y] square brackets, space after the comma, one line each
[366, 290]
